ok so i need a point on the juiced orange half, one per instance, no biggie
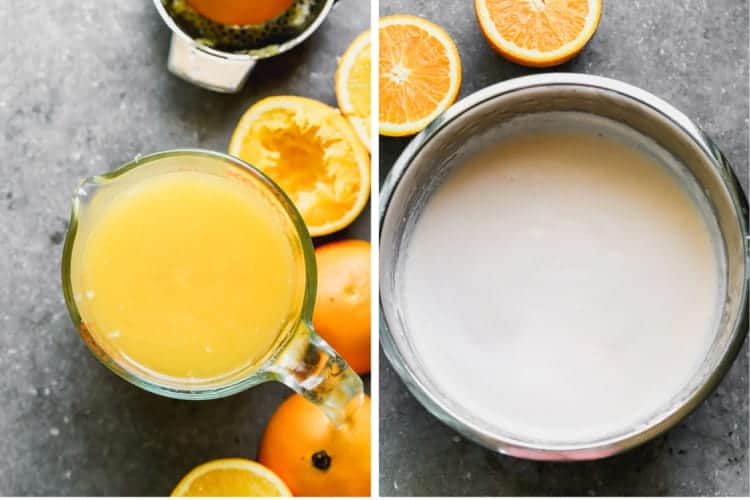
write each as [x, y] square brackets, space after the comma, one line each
[313, 153]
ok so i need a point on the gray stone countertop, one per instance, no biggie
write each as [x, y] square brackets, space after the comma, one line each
[694, 55]
[83, 89]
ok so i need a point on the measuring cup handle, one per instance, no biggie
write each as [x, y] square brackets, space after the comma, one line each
[310, 367]
[195, 64]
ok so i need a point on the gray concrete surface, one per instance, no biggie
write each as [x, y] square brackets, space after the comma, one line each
[83, 88]
[693, 54]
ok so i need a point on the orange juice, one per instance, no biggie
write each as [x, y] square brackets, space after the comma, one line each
[187, 275]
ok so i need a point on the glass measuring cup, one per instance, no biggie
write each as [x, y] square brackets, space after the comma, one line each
[297, 357]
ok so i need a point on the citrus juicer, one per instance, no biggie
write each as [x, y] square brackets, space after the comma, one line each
[220, 57]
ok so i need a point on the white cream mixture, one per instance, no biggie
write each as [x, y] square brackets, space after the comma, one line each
[561, 286]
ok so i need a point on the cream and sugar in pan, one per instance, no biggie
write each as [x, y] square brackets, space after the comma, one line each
[555, 282]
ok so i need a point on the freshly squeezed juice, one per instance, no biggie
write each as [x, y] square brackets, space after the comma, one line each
[188, 275]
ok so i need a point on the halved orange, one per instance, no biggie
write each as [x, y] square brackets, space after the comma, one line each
[353, 86]
[419, 74]
[231, 477]
[313, 153]
[240, 12]
[538, 33]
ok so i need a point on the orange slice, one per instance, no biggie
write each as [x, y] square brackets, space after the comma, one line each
[313, 153]
[231, 477]
[353, 86]
[419, 74]
[538, 33]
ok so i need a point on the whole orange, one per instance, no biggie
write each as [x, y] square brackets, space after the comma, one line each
[342, 306]
[240, 11]
[314, 457]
